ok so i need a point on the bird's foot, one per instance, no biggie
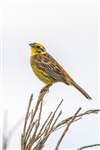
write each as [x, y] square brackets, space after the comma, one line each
[46, 88]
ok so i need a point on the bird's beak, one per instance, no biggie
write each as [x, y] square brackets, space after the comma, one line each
[31, 44]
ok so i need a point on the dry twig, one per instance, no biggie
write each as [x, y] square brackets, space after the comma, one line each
[63, 122]
[35, 134]
[88, 146]
[66, 129]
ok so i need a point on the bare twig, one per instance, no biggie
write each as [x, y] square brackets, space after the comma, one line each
[49, 128]
[88, 146]
[27, 113]
[66, 129]
[32, 139]
[35, 133]
[26, 139]
[93, 111]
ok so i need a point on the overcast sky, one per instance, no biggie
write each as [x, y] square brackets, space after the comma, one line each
[69, 31]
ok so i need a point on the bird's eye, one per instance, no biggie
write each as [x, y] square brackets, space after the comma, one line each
[38, 46]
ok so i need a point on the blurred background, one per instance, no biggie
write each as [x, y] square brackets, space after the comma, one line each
[69, 31]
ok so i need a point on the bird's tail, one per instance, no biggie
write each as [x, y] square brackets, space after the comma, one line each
[80, 89]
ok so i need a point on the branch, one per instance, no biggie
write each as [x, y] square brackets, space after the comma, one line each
[88, 146]
[93, 111]
[67, 128]
[35, 133]
[30, 123]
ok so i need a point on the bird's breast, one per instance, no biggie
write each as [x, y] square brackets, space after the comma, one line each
[42, 75]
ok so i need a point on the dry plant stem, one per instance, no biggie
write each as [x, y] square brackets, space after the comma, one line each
[47, 130]
[35, 134]
[49, 124]
[66, 129]
[40, 98]
[44, 139]
[44, 124]
[30, 127]
[29, 133]
[49, 127]
[88, 146]
[38, 123]
[23, 143]
[41, 132]
[56, 120]
[29, 130]
[27, 113]
[94, 111]
[76, 116]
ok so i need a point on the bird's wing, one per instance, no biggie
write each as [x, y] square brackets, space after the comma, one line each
[47, 63]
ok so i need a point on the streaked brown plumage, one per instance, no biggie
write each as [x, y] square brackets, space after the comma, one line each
[49, 70]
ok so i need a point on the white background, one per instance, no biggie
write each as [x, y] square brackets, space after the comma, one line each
[69, 31]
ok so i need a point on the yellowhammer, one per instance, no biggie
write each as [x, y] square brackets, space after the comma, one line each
[48, 69]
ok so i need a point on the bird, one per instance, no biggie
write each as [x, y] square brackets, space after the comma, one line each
[48, 70]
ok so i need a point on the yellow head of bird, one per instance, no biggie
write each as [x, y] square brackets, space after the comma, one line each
[37, 48]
